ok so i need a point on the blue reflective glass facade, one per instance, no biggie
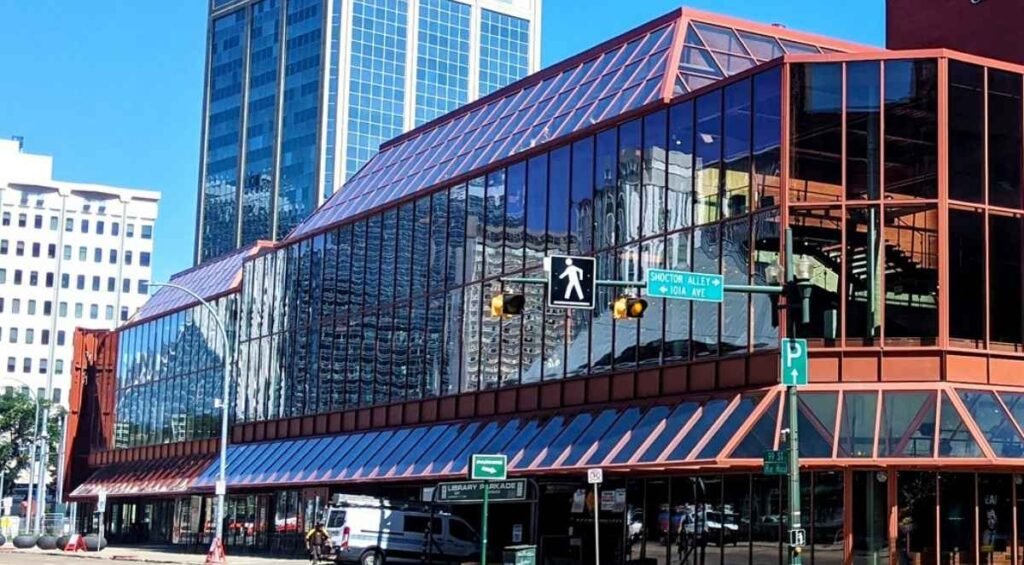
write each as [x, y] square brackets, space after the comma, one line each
[223, 135]
[377, 86]
[302, 93]
[304, 32]
[170, 370]
[442, 58]
[261, 121]
[504, 50]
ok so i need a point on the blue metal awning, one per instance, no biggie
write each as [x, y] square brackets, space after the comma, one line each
[696, 430]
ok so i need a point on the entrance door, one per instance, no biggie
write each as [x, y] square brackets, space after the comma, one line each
[870, 517]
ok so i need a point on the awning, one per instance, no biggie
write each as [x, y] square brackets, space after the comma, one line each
[926, 424]
[141, 478]
[689, 433]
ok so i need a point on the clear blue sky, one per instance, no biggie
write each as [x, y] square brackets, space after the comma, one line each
[113, 88]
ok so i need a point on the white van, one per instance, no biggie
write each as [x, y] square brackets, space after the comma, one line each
[372, 531]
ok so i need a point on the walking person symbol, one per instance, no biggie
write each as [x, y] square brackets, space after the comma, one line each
[575, 276]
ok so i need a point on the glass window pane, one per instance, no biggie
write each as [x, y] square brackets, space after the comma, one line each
[816, 132]
[730, 426]
[475, 225]
[654, 173]
[967, 274]
[736, 268]
[916, 503]
[767, 137]
[863, 130]
[558, 201]
[629, 177]
[907, 427]
[536, 209]
[857, 427]
[864, 269]
[709, 414]
[955, 439]
[911, 138]
[994, 423]
[495, 223]
[608, 441]
[1004, 139]
[767, 245]
[706, 255]
[957, 511]
[1006, 315]
[438, 233]
[640, 434]
[677, 345]
[708, 184]
[737, 147]
[604, 189]
[966, 131]
[515, 217]
[762, 435]
[679, 201]
[456, 235]
[995, 511]
[581, 207]
[652, 255]
[912, 293]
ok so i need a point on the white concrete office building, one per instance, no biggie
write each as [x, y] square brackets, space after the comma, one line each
[71, 255]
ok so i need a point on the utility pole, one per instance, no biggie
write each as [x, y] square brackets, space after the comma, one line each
[799, 287]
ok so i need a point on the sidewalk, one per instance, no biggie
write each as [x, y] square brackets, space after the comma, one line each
[151, 555]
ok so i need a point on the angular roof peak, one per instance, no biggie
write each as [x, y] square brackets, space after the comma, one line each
[670, 55]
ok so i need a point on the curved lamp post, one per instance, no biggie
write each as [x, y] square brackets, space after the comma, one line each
[222, 482]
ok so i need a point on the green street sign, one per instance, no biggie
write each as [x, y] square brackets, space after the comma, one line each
[775, 462]
[793, 357]
[684, 285]
[488, 467]
[473, 491]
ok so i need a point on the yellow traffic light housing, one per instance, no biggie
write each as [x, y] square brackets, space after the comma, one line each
[507, 305]
[626, 307]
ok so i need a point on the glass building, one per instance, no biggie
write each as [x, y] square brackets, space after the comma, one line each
[369, 362]
[301, 93]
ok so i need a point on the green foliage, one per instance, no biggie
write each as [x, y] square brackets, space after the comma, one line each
[17, 416]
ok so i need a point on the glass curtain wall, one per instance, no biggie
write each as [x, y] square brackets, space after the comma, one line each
[170, 371]
[869, 227]
[396, 306]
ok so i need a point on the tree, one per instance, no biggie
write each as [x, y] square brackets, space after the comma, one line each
[17, 415]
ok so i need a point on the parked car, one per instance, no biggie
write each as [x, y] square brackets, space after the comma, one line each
[372, 531]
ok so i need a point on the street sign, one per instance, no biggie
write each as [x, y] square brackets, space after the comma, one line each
[793, 356]
[488, 467]
[101, 501]
[571, 281]
[797, 537]
[776, 462]
[684, 285]
[473, 491]
[595, 476]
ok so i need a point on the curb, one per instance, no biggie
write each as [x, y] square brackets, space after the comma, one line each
[96, 556]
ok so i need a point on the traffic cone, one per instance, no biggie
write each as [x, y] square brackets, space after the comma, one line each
[216, 555]
[76, 543]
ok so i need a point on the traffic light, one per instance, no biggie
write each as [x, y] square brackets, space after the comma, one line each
[507, 305]
[628, 307]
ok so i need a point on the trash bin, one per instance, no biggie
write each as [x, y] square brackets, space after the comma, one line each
[520, 555]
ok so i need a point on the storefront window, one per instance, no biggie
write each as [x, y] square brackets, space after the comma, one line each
[916, 522]
[870, 508]
[767, 519]
[857, 429]
[956, 518]
[995, 512]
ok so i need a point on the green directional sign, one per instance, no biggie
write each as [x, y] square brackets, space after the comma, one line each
[793, 357]
[775, 462]
[488, 467]
[684, 285]
[473, 491]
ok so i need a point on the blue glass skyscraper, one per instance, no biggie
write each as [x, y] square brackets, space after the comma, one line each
[300, 93]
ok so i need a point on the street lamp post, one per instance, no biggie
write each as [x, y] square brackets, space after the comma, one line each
[221, 489]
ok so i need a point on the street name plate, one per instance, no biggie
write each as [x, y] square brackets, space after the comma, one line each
[473, 491]
[684, 285]
[775, 462]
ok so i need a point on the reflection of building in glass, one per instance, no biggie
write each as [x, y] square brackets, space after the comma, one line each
[301, 93]
[370, 361]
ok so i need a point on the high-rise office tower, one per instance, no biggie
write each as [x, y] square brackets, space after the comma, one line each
[300, 93]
